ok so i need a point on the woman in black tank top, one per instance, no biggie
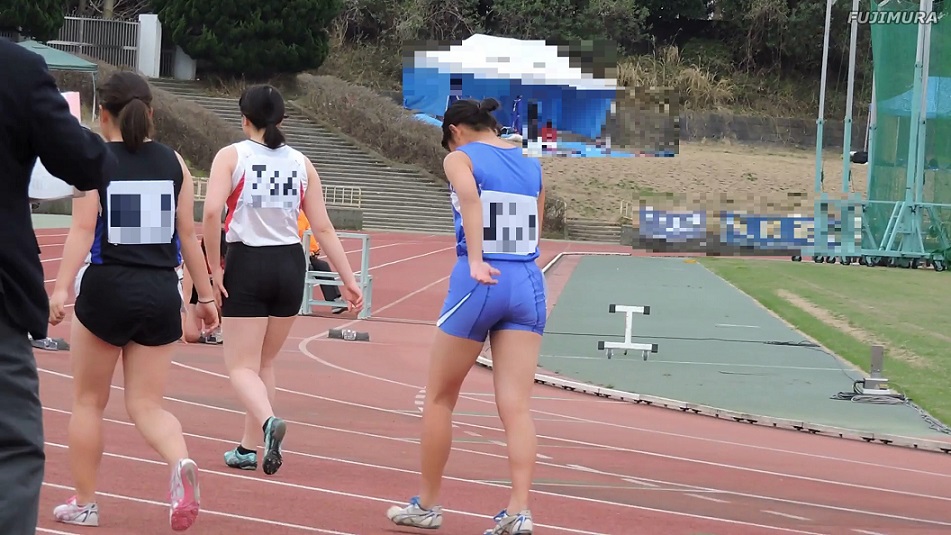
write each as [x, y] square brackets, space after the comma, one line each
[128, 299]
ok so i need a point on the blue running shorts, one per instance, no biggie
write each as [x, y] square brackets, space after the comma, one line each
[517, 302]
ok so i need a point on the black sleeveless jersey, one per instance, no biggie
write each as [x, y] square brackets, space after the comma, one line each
[136, 225]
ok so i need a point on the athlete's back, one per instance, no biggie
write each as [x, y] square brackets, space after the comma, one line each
[136, 224]
[267, 191]
[509, 185]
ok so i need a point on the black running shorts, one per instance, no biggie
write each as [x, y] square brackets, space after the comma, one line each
[263, 281]
[122, 304]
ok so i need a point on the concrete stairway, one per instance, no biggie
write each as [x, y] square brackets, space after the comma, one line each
[593, 230]
[392, 198]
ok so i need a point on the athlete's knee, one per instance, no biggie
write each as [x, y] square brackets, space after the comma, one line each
[140, 408]
[88, 399]
[513, 408]
[443, 395]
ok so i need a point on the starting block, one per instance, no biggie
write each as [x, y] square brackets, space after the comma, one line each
[349, 335]
[628, 344]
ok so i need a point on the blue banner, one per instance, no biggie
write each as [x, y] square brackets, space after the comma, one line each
[768, 232]
[672, 227]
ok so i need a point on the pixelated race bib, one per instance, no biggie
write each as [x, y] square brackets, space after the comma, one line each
[141, 212]
[510, 223]
[273, 183]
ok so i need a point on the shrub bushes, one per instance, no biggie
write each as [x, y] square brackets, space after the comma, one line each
[385, 127]
[196, 133]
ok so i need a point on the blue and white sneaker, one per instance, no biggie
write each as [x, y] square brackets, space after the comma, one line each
[506, 524]
[241, 461]
[415, 516]
[274, 432]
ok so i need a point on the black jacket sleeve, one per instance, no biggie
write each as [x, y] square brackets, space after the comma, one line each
[70, 152]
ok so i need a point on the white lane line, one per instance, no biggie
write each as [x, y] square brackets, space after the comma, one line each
[786, 515]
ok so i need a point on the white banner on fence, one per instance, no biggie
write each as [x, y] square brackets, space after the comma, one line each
[43, 185]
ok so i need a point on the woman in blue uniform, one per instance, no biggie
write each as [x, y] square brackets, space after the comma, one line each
[496, 291]
[122, 251]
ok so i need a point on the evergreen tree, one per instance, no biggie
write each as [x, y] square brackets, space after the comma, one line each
[37, 19]
[254, 38]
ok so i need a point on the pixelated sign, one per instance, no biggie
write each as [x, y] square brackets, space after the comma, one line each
[767, 232]
[672, 227]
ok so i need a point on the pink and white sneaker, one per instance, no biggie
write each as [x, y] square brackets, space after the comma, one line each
[184, 495]
[79, 515]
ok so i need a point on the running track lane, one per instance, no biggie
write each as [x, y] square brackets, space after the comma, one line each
[355, 421]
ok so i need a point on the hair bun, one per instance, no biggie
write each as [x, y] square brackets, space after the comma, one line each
[489, 105]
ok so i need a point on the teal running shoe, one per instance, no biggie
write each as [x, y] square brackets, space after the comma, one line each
[241, 461]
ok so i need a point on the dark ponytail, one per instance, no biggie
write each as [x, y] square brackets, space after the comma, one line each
[273, 137]
[128, 98]
[472, 113]
[263, 106]
[135, 123]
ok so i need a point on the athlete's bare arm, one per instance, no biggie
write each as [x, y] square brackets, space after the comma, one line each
[316, 211]
[458, 168]
[219, 187]
[192, 255]
[82, 232]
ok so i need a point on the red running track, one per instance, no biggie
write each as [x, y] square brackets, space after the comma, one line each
[605, 467]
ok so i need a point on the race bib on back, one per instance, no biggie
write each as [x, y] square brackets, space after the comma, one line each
[273, 183]
[510, 223]
[141, 212]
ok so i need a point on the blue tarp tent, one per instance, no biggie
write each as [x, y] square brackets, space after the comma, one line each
[938, 105]
[504, 69]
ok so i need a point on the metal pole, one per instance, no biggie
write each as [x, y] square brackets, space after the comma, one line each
[923, 112]
[847, 123]
[915, 116]
[820, 120]
[870, 136]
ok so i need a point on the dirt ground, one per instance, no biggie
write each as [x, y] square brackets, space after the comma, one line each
[703, 176]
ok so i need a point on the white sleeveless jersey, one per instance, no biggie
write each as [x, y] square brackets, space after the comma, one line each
[267, 190]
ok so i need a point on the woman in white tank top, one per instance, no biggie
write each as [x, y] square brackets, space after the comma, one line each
[265, 185]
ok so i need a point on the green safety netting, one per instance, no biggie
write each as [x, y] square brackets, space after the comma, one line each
[894, 45]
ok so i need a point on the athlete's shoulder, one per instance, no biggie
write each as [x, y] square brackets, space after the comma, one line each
[294, 153]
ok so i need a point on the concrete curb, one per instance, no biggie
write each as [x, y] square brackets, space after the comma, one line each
[724, 414]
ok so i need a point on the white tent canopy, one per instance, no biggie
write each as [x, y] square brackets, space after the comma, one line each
[532, 62]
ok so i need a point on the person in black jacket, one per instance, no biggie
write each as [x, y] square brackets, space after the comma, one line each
[35, 122]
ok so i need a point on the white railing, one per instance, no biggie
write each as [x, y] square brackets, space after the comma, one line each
[112, 41]
[628, 209]
[343, 195]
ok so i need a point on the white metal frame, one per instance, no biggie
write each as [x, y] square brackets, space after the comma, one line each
[628, 344]
[314, 279]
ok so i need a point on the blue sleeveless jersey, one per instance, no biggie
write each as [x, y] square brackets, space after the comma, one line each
[509, 184]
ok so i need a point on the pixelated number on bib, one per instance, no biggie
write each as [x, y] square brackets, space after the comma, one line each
[141, 212]
[510, 223]
[273, 185]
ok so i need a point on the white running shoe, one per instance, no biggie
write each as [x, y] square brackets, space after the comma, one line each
[79, 515]
[184, 495]
[506, 524]
[415, 516]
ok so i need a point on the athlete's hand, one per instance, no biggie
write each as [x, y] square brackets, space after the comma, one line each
[218, 281]
[483, 273]
[208, 314]
[352, 294]
[58, 306]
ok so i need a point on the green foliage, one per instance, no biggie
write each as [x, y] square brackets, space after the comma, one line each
[249, 37]
[676, 9]
[39, 19]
